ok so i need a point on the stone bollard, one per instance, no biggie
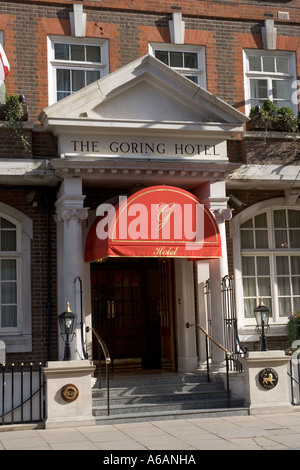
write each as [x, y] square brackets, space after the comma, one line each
[267, 384]
[69, 393]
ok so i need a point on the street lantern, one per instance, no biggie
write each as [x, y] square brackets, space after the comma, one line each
[262, 314]
[67, 324]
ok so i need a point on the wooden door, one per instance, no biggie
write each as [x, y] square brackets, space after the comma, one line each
[118, 309]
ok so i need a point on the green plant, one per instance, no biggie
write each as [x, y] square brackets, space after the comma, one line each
[14, 119]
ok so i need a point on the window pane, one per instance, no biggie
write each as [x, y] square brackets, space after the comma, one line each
[249, 287]
[295, 265]
[282, 64]
[261, 221]
[249, 306]
[263, 266]
[8, 316]
[282, 265]
[264, 287]
[284, 305]
[254, 63]
[247, 224]
[294, 238]
[294, 219]
[78, 80]
[281, 89]
[8, 270]
[61, 95]
[176, 59]
[261, 239]
[296, 304]
[93, 54]
[8, 293]
[283, 286]
[248, 266]
[259, 89]
[193, 78]
[281, 240]
[163, 56]
[6, 224]
[77, 52]
[279, 219]
[247, 239]
[63, 80]
[269, 64]
[190, 60]
[8, 240]
[61, 51]
[296, 285]
[92, 76]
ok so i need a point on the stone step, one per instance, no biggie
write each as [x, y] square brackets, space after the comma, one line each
[141, 396]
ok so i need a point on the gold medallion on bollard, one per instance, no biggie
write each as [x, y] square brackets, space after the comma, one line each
[69, 392]
[268, 378]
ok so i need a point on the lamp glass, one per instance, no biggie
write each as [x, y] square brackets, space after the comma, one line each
[262, 315]
[67, 322]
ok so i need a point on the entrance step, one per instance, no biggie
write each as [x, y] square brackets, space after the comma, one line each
[163, 395]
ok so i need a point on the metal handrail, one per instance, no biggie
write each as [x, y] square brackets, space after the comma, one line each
[228, 355]
[107, 359]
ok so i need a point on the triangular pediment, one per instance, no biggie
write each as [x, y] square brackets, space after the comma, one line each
[144, 94]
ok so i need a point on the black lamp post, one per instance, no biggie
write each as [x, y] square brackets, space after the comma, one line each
[262, 319]
[67, 323]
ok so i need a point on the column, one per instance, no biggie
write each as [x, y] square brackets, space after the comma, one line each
[70, 254]
[218, 268]
[185, 313]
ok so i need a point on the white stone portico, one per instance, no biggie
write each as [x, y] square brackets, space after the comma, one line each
[142, 125]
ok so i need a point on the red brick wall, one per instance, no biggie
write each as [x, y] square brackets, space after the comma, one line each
[16, 198]
[225, 29]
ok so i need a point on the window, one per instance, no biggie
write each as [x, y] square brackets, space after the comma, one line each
[8, 274]
[269, 76]
[75, 64]
[270, 262]
[186, 60]
[15, 282]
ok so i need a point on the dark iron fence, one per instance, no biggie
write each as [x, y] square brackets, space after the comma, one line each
[22, 393]
[231, 338]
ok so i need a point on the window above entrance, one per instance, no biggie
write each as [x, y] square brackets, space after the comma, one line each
[186, 60]
[75, 63]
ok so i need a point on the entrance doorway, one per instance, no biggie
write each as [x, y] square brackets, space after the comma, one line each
[133, 312]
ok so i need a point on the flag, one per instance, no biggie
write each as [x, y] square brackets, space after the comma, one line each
[4, 65]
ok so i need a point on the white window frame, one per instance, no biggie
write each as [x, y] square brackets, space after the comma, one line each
[2, 38]
[19, 338]
[53, 64]
[292, 75]
[200, 50]
[267, 206]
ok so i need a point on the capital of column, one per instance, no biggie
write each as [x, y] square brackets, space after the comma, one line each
[64, 214]
[222, 214]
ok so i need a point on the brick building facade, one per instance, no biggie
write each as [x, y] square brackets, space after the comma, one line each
[241, 52]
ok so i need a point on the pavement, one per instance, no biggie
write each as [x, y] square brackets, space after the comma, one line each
[178, 437]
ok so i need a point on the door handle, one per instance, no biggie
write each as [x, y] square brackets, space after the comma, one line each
[113, 312]
[108, 309]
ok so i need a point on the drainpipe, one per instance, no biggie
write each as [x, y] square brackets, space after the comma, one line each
[85, 355]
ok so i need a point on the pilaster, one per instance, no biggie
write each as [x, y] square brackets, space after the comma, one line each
[70, 214]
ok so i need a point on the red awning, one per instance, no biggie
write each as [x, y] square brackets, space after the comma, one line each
[156, 222]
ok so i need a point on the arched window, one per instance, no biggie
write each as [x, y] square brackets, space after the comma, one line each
[9, 260]
[267, 260]
[15, 279]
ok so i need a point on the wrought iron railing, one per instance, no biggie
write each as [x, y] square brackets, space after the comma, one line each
[22, 393]
[228, 356]
[102, 348]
